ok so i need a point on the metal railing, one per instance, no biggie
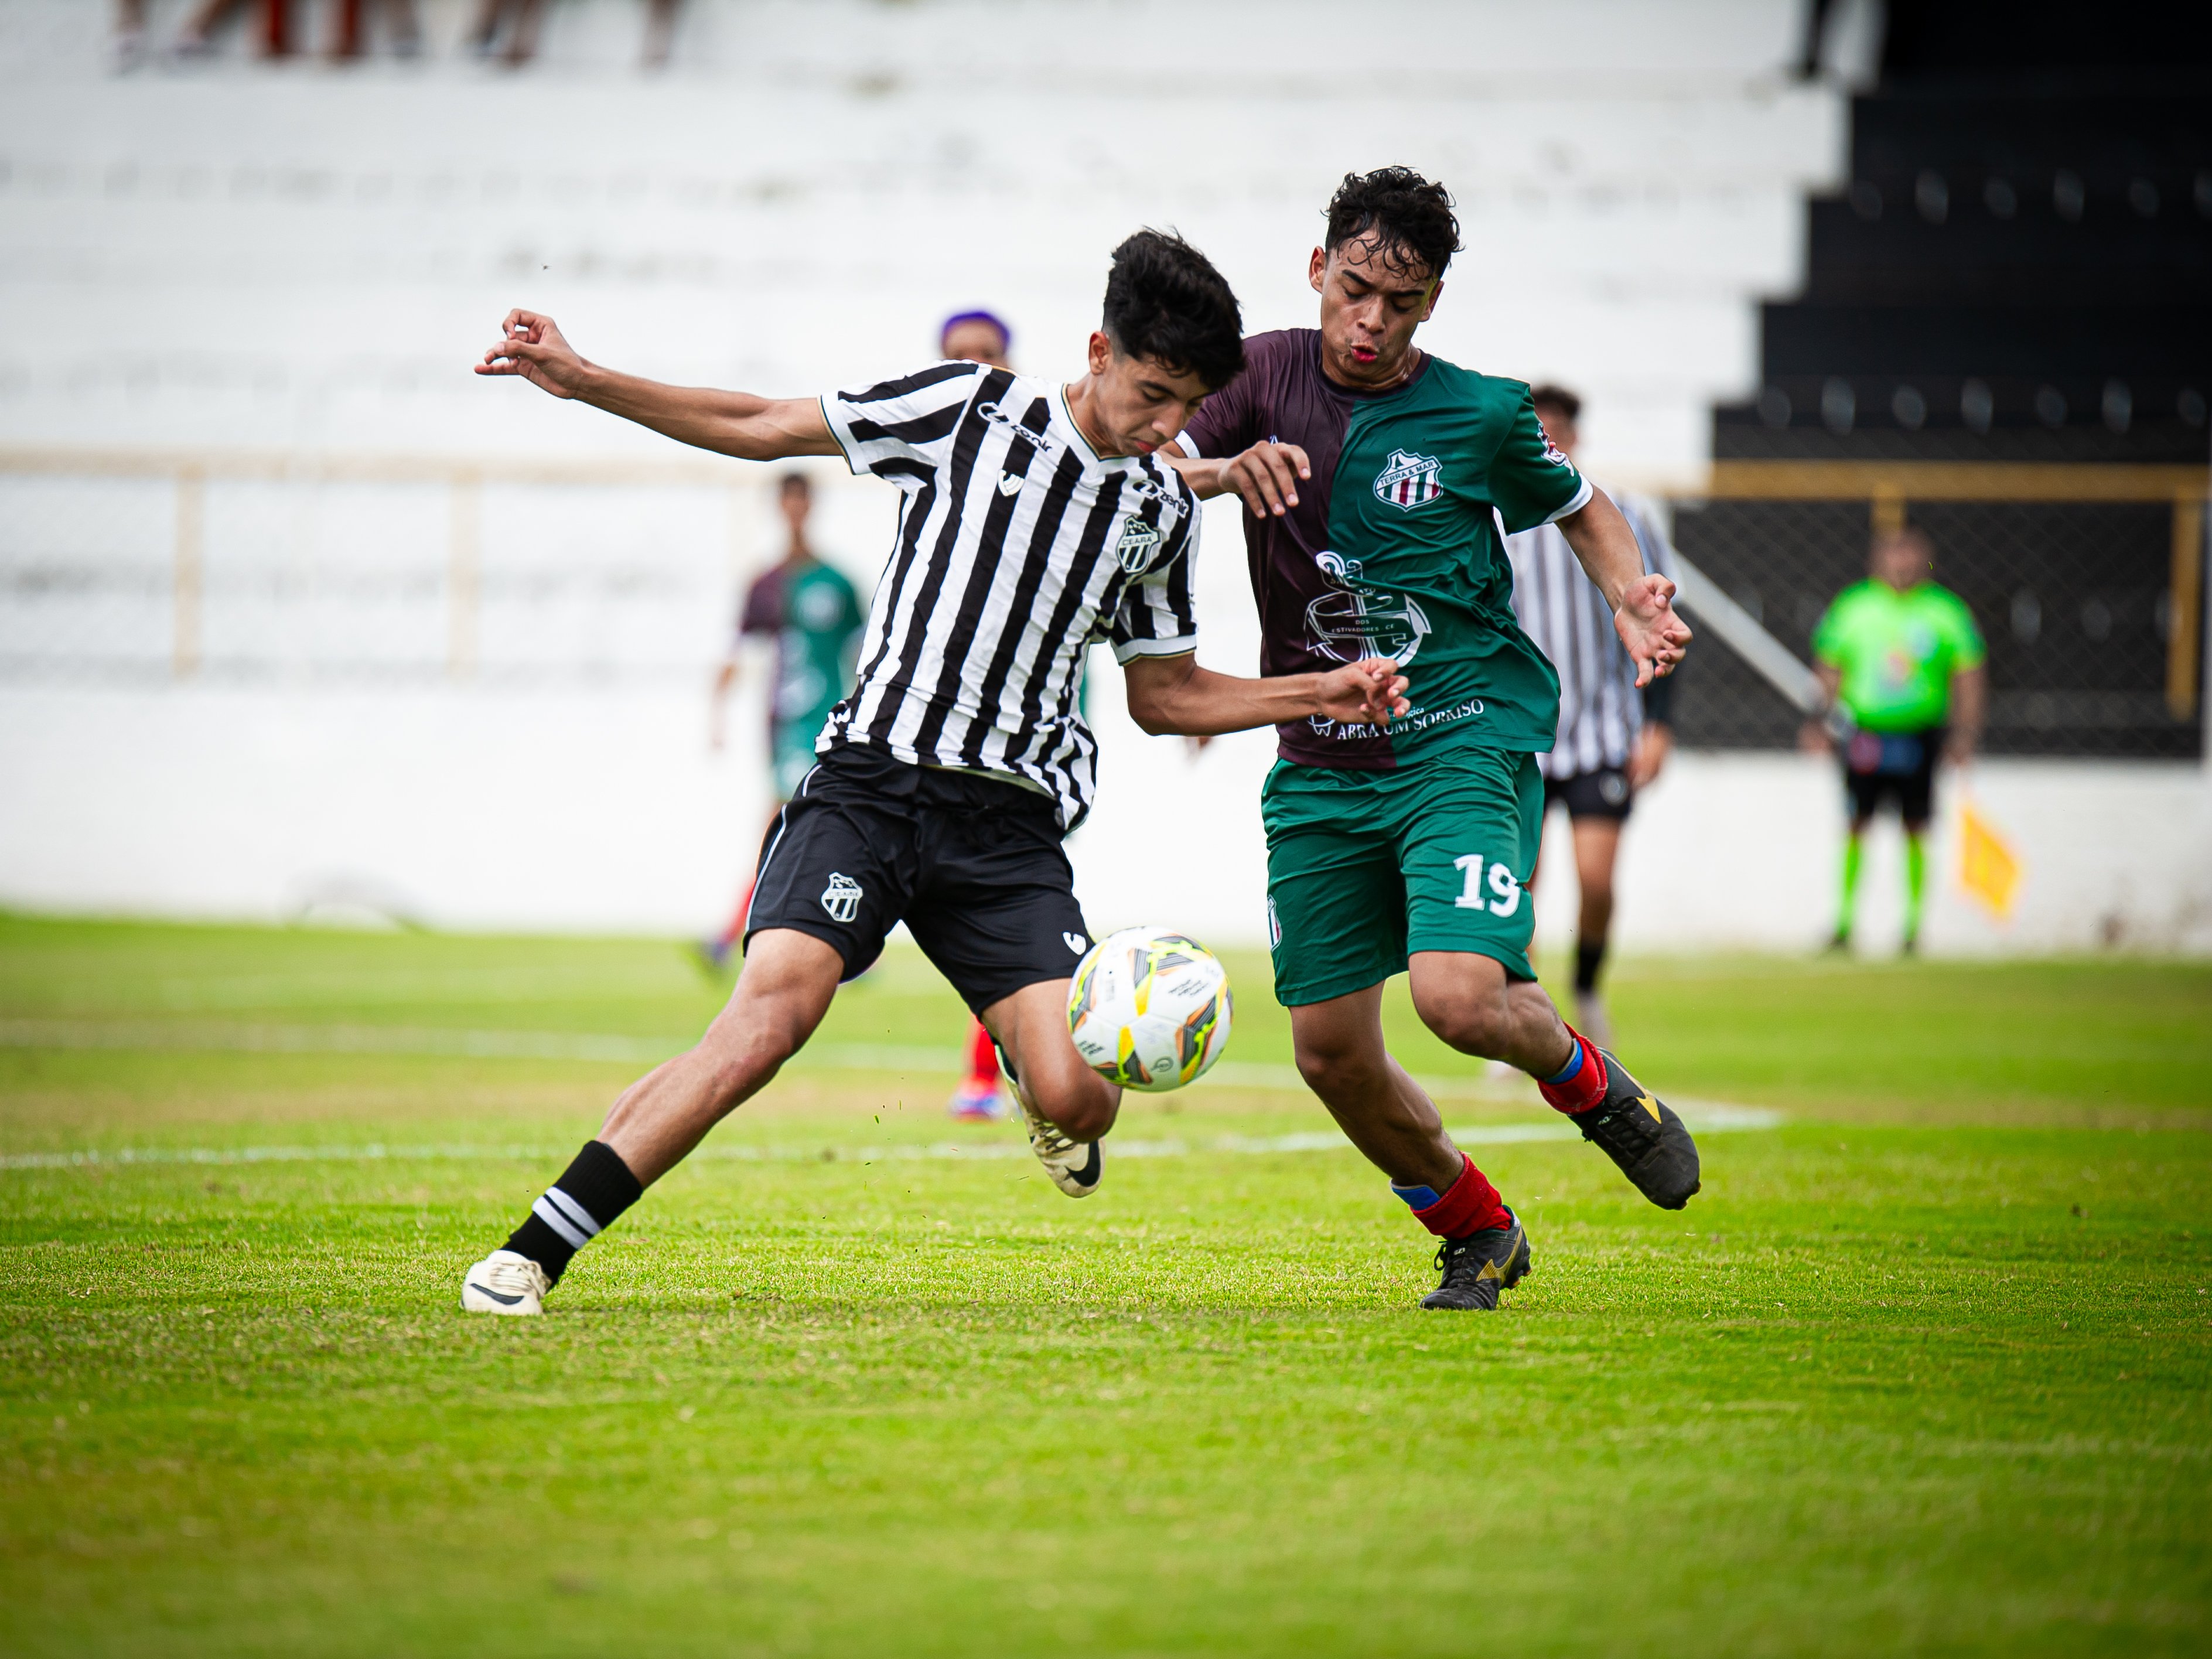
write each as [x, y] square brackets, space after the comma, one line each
[2088, 580]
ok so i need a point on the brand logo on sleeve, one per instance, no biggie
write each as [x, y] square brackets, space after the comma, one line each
[1134, 549]
[1409, 481]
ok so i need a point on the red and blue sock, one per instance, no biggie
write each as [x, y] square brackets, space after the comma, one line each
[1469, 1204]
[1579, 1084]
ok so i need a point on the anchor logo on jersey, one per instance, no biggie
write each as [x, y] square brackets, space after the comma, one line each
[1409, 481]
[1352, 620]
[1134, 549]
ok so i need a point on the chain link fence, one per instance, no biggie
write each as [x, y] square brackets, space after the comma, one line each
[2093, 606]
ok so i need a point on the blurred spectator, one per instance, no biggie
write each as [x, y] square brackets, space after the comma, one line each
[129, 32]
[402, 32]
[1903, 657]
[1612, 738]
[521, 20]
[349, 38]
[196, 38]
[976, 337]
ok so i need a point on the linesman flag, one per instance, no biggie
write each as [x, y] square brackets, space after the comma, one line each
[1987, 868]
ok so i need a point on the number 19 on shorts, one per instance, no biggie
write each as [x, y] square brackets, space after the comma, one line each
[1502, 898]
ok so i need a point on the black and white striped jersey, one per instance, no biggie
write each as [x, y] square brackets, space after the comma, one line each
[1016, 547]
[1600, 710]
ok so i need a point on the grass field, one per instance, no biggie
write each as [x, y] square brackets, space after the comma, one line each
[1924, 1370]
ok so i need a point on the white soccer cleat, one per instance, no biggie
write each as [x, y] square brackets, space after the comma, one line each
[505, 1282]
[1076, 1166]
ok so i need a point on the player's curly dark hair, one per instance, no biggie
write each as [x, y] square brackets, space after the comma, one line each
[1408, 220]
[1166, 302]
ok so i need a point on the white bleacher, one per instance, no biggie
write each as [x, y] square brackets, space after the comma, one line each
[284, 255]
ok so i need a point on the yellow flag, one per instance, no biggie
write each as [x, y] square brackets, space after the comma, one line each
[1987, 868]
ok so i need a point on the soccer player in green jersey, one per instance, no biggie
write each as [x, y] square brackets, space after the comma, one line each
[814, 615]
[1381, 482]
[1904, 659]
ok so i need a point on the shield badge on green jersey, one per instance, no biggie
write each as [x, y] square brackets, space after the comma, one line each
[1409, 481]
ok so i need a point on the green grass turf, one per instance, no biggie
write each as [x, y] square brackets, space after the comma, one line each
[1924, 1371]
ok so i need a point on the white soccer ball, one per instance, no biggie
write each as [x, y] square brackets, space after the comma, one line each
[1149, 1008]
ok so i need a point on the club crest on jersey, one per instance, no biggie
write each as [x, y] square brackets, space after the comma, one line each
[1134, 549]
[841, 897]
[1409, 481]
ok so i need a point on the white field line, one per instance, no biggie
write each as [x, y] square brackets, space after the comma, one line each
[182, 1037]
[1708, 1118]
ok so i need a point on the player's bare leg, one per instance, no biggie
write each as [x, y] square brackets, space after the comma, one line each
[788, 981]
[1065, 1105]
[785, 987]
[1481, 1248]
[1469, 1001]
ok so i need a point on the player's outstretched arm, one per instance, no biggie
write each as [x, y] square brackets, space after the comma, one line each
[1264, 476]
[1643, 605]
[1174, 694]
[728, 423]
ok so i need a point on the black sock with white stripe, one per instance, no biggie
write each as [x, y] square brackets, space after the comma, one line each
[575, 1209]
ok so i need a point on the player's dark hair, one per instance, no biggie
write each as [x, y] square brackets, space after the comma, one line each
[1548, 396]
[1166, 302]
[1408, 221]
[798, 481]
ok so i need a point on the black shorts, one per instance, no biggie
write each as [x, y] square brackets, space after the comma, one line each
[1879, 766]
[974, 867]
[1604, 793]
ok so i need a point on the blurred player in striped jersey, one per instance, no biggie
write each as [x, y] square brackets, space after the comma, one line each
[1612, 738]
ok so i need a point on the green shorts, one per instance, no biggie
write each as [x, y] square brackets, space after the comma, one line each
[1365, 866]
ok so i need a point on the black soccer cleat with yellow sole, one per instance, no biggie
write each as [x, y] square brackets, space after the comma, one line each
[1477, 1267]
[1639, 1132]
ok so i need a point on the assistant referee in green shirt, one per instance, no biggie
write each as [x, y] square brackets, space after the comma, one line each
[1902, 657]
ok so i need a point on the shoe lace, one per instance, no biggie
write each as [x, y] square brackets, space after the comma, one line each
[517, 1276]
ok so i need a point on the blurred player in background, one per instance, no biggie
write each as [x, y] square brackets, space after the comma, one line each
[814, 615]
[978, 337]
[1904, 659]
[1034, 517]
[1381, 482]
[1612, 738]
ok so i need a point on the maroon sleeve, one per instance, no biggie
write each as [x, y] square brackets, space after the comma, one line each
[1228, 421]
[764, 612]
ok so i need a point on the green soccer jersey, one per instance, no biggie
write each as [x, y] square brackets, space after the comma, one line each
[1896, 652]
[814, 615]
[1396, 548]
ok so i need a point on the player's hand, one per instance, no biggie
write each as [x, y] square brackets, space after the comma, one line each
[1370, 692]
[1656, 638]
[1267, 477]
[1653, 745]
[1814, 739]
[531, 346]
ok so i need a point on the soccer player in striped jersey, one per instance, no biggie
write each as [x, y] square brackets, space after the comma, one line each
[1034, 518]
[1612, 738]
[1382, 483]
